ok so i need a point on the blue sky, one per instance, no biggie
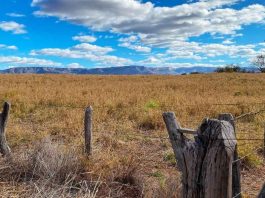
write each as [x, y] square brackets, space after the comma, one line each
[104, 33]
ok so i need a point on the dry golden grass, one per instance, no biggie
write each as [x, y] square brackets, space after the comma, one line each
[127, 160]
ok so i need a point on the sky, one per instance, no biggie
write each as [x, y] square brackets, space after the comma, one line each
[107, 33]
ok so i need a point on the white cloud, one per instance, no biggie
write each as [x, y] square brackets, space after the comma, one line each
[147, 26]
[133, 43]
[129, 39]
[15, 15]
[75, 65]
[85, 51]
[137, 48]
[24, 61]
[228, 42]
[158, 62]
[14, 27]
[95, 49]
[191, 49]
[10, 47]
[85, 38]
[157, 26]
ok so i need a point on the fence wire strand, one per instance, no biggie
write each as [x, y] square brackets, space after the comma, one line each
[160, 108]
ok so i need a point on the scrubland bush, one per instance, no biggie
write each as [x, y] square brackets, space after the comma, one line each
[230, 68]
[49, 170]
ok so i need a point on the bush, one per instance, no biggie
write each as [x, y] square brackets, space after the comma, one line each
[50, 170]
[230, 69]
[49, 161]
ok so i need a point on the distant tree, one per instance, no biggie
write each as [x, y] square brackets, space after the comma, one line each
[230, 68]
[259, 62]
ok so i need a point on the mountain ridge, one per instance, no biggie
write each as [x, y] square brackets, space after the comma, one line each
[121, 70]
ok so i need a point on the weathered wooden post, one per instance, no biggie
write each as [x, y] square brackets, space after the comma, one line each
[236, 173]
[206, 163]
[4, 148]
[88, 130]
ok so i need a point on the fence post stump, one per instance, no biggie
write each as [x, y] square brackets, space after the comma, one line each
[236, 180]
[206, 163]
[4, 148]
[88, 130]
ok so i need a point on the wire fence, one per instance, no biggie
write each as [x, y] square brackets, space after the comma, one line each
[147, 105]
[139, 133]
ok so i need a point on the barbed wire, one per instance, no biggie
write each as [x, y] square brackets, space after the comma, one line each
[146, 106]
[157, 137]
[250, 153]
[237, 195]
[242, 158]
[249, 114]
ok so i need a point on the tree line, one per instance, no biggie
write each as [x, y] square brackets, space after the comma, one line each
[258, 63]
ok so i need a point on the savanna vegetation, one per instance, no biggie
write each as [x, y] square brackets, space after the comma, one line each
[132, 156]
[230, 69]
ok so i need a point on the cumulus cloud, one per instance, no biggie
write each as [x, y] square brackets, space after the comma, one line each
[160, 62]
[191, 49]
[85, 38]
[24, 61]
[133, 43]
[95, 49]
[12, 26]
[85, 51]
[228, 41]
[147, 26]
[75, 65]
[9, 47]
[157, 25]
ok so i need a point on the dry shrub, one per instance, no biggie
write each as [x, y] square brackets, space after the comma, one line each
[50, 170]
[49, 161]
[67, 190]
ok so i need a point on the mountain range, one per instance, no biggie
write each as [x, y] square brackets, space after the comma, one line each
[125, 70]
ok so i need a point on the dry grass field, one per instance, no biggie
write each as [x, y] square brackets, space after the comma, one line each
[132, 156]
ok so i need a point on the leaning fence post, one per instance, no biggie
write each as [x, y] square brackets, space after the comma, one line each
[206, 163]
[88, 130]
[4, 148]
[236, 183]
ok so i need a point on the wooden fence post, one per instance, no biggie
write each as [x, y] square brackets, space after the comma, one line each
[236, 183]
[88, 130]
[4, 148]
[206, 163]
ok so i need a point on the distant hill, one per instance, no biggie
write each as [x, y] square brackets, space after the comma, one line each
[125, 70]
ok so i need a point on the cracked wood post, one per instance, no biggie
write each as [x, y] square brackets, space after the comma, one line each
[88, 130]
[206, 163]
[236, 183]
[4, 148]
